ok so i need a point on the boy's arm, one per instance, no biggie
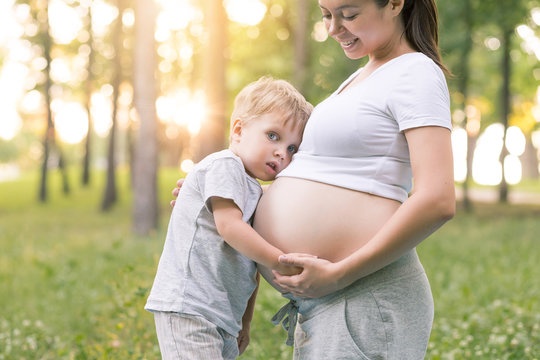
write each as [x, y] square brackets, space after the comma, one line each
[243, 238]
[243, 336]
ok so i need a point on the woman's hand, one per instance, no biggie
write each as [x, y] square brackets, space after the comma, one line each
[319, 278]
[175, 191]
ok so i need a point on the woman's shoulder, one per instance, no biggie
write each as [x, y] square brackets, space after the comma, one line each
[420, 64]
[415, 62]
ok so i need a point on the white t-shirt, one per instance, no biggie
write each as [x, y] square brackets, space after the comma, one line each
[355, 139]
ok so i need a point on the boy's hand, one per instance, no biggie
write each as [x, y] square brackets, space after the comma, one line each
[287, 270]
[243, 340]
[175, 191]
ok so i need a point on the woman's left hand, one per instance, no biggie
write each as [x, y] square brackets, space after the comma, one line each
[319, 277]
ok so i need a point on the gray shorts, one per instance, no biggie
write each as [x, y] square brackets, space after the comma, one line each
[188, 337]
[386, 315]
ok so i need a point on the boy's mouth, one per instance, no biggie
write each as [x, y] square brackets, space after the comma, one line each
[272, 166]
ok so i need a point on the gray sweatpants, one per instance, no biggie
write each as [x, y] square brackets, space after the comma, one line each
[386, 315]
[188, 337]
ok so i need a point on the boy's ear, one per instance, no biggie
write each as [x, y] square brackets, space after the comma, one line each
[236, 130]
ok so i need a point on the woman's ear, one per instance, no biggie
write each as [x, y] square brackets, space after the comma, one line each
[396, 6]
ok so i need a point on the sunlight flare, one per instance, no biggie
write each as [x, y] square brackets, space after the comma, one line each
[101, 113]
[245, 12]
[64, 21]
[487, 169]
[71, 121]
[183, 108]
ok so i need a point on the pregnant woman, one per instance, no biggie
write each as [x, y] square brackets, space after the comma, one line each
[348, 195]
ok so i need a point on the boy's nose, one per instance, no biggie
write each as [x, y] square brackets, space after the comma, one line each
[280, 152]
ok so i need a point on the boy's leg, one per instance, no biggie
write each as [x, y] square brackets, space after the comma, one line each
[186, 337]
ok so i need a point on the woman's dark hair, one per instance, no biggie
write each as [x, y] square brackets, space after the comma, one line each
[421, 23]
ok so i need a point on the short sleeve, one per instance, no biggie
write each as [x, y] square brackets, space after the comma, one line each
[224, 178]
[420, 97]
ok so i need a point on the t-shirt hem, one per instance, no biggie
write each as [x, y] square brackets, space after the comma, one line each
[398, 195]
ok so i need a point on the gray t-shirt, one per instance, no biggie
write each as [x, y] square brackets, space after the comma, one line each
[199, 273]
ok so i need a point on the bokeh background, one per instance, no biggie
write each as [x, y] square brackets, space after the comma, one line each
[105, 103]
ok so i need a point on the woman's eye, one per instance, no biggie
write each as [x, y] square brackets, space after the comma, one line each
[292, 149]
[349, 18]
[272, 136]
[326, 16]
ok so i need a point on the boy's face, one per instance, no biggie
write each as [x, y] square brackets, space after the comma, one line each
[265, 144]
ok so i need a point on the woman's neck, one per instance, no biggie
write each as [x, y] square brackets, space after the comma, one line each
[390, 51]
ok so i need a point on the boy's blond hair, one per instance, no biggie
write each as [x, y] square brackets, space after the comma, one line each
[267, 95]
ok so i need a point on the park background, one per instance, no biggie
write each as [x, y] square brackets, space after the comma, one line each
[106, 103]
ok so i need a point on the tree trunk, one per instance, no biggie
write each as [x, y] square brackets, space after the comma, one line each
[145, 211]
[212, 135]
[529, 160]
[87, 145]
[301, 45]
[464, 89]
[49, 142]
[505, 107]
[110, 194]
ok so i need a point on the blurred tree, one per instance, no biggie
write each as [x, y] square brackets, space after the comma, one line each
[505, 16]
[471, 34]
[301, 41]
[459, 22]
[522, 117]
[88, 99]
[44, 40]
[214, 127]
[145, 211]
[110, 194]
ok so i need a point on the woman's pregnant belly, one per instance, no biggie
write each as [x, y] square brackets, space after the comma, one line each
[331, 222]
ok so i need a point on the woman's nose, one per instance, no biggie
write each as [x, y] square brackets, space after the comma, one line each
[333, 26]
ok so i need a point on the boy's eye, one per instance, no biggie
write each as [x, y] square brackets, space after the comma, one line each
[292, 149]
[272, 136]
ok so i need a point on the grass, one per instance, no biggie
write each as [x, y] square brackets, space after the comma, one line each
[73, 280]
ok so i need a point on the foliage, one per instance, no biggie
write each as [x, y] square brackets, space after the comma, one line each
[488, 19]
[74, 281]
[480, 268]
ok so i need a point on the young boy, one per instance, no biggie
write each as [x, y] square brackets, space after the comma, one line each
[205, 277]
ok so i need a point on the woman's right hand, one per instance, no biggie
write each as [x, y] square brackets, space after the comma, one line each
[318, 278]
[175, 191]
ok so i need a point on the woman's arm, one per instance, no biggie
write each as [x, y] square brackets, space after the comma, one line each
[430, 205]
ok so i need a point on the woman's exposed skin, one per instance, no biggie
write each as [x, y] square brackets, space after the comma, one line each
[352, 233]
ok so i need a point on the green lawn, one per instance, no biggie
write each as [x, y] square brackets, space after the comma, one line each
[73, 281]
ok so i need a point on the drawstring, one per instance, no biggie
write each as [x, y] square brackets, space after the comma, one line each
[287, 315]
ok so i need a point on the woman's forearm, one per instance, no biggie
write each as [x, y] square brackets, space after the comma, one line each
[415, 220]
